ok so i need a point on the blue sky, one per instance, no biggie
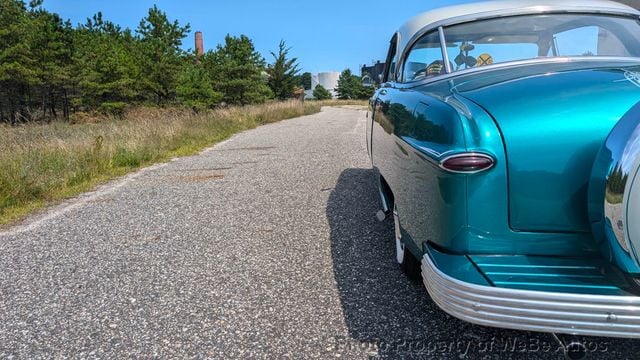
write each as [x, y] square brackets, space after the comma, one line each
[324, 35]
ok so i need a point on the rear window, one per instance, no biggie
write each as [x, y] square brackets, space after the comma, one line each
[499, 40]
[493, 41]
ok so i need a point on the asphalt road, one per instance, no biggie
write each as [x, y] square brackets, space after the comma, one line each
[265, 246]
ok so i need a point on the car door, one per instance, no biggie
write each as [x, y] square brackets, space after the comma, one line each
[407, 116]
[381, 128]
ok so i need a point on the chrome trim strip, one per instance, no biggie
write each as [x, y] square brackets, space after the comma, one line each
[465, 154]
[576, 314]
[445, 54]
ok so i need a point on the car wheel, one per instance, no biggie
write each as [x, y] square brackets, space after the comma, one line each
[408, 263]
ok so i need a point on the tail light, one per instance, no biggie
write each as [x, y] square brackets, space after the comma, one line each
[467, 163]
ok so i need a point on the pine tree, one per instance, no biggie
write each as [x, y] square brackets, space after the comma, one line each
[195, 90]
[346, 89]
[320, 93]
[237, 70]
[52, 44]
[107, 73]
[162, 57]
[16, 61]
[350, 87]
[282, 73]
[305, 80]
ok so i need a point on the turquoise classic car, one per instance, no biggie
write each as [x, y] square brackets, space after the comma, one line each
[507, 139]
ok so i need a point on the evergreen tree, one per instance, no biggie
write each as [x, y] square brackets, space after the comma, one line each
[52, 45]
[320, 93]
[346, 89]
[195, 90]
[237, 70]
[107, 73]
[305, 80]
[16, 61]
[350, 87]
[162, 57]
[282, 73]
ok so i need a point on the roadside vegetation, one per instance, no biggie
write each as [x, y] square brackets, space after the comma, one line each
[82, 104]
[41, 163]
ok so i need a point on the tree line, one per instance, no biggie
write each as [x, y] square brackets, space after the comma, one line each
[50, 69]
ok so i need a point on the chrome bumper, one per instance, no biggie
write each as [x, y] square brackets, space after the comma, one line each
[577, 314]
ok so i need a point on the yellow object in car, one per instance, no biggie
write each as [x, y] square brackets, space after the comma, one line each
[484, 59]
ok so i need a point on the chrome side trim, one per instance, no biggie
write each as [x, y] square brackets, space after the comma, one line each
[576, 314]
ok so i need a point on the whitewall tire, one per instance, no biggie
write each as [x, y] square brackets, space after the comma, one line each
[407, 261]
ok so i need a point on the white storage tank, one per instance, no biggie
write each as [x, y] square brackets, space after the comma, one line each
[328, 80]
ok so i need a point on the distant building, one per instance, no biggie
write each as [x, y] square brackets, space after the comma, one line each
[371, 74]
[328, 80]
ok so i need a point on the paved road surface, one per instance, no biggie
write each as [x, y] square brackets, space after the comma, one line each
[264, 246]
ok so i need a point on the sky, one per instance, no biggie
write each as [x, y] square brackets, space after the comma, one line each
[327, 35]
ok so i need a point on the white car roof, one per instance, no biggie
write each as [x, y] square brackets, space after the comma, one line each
[437, 17]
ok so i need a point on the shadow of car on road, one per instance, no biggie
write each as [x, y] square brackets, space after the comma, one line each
[389, 315]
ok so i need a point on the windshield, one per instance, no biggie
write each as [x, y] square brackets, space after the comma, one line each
[515, 38]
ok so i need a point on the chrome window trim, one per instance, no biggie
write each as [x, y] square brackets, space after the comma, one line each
[443, 47]
[547, 60]
[397, 57]
[387, 71]
[568, 313]
[398, 36]
[535, 10]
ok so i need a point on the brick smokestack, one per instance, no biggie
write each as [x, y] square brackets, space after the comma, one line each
[199, 44]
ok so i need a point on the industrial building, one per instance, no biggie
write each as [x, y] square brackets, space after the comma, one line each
[371, 74]
[328, 80]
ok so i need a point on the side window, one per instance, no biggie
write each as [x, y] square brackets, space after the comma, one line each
[589, 41]
[425, 59]
[390, 67]
[610, 45]
[577, 42]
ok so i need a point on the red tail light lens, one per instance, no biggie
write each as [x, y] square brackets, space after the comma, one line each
[467, 163]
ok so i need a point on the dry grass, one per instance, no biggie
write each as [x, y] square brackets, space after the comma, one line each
[43, 163]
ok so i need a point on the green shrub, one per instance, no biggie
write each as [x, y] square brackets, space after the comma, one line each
[320, 93]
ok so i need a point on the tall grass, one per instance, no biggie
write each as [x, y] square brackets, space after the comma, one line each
[42, 163]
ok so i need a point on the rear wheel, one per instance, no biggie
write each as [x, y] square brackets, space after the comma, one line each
[408, 263]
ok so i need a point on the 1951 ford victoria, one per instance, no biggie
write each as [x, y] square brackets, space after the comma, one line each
[507, 139]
